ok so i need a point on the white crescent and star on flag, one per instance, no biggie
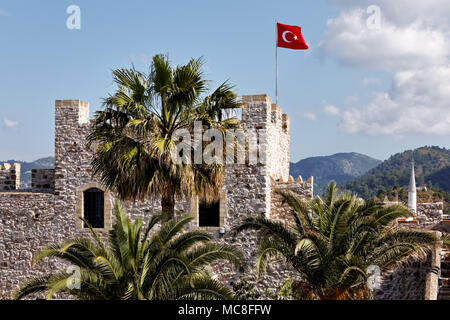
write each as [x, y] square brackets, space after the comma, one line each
[285, 39]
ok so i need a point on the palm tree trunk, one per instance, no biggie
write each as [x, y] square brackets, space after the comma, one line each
[168, 206]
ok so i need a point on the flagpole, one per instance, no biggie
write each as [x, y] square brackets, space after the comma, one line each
[276, 63]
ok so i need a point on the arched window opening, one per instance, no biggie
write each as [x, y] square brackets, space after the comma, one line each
[94, 203]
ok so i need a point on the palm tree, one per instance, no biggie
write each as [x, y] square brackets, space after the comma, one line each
[167, 265]
[135, 135]
[333, 242]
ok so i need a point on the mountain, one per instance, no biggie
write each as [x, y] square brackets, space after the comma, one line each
[431, 166]
[440, 178]
[340, 167]
[26, 167]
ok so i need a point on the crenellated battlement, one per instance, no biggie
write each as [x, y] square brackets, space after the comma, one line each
[43, 180]
[280, 119]
[302, 189]
[72, 111]
[256, 98]
[276, 114]
[9, 177]
[285, 123]
[258, 112]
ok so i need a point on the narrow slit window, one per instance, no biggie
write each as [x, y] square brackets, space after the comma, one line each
[94, 203]
[209, 214]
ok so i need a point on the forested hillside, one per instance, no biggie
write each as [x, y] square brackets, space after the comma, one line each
[431, 166]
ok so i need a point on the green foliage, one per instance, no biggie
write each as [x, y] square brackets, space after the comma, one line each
[440, 179]
[282, 292]
[136, 135]
[445, 238]
[432, 168]
[332, 242]
[137, 263]
[245, 290]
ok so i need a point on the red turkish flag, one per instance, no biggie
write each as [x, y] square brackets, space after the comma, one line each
[290, 37]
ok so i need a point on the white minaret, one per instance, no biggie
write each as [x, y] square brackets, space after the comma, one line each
[412, 192]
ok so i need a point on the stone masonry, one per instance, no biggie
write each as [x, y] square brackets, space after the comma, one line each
[50, 211]
[430, 214]
[281, 212]
[43, 180]
[416, 279]
[9, 176]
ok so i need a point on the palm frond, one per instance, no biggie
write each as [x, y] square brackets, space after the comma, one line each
[169, 265]
[333, 241]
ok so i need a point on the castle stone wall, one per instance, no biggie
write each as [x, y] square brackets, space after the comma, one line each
[249, 188]
[43, 180]
[407, 282]
[27, 223]
[50, 212]
[30, 221]
[429, 214]
[415, 279]
[9, 177]
[279, 139]
[280, 211]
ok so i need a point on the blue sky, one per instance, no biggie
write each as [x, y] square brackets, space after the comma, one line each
[342, 95]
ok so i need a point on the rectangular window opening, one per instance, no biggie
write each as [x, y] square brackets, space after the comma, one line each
[209, 214]
[94, 208]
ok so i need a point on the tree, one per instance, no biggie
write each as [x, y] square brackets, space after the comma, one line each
[332, 242]
[135, 136]
[167, 265]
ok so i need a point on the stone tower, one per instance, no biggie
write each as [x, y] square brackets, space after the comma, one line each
[412, 192]
[248, 186]
[71, 124]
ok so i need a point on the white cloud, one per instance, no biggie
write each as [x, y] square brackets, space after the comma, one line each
[403, 12]
[390, 48]
[331, 110]
[10, 124]
[418, 102]
[412, 45]
[310, 116]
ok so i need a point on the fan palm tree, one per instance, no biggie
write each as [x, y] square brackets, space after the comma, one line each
[331, 243]
[166, 265]
[136, 134]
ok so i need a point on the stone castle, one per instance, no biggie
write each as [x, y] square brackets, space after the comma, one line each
[49, 212]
